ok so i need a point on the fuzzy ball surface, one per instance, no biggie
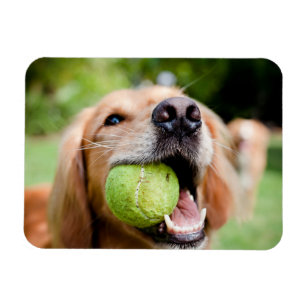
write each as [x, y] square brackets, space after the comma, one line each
[140, 195]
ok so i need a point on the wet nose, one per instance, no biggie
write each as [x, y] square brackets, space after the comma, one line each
[177, 115]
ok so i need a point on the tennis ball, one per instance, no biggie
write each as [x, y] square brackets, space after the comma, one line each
[140, 195]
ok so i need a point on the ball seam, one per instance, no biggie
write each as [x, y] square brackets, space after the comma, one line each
[136, 194]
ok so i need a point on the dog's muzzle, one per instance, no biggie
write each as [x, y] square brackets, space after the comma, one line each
[178, 116]
[177, 123]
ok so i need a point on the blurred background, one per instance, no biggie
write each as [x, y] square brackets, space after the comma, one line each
[58, 88]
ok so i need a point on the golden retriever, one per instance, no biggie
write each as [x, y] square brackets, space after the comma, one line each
[154, 124]
[250, 139]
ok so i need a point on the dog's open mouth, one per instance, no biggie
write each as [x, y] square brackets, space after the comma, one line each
[185, 218]
[184, 227]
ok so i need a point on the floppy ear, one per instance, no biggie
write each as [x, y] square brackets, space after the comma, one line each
[69, 214]
[221, 187]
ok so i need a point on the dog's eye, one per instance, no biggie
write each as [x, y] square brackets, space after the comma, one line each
[113, 119]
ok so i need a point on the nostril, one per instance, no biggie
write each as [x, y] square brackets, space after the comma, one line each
[162, 116]
[193, 113]
[164, 113]
[177, 116]
[171, 112]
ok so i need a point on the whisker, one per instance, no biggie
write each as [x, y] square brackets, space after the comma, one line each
[213, 167]
[103, 146]
[136, 134]
[91, 145]
[114, 135]
[107, 134]
[226, 147]
[110, 142]
[123, 129]
[128, 130]
[105, 152]
[89, 141]
[205, 74]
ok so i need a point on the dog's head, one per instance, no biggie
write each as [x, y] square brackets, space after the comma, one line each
[156, 124]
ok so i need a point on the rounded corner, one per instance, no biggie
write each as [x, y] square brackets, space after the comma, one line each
[277, 243]
[271, 62]
[31, 64]
[29, 243]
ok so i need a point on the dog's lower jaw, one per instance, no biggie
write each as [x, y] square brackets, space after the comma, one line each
[200, 245]
[107, 232]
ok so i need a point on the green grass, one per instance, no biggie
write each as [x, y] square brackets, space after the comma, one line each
[262, 232]
[40, 159]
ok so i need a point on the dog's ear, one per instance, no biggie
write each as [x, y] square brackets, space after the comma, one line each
[69, 213]
[221, 187]
[219, 190]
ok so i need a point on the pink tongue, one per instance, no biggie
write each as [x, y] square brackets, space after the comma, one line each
[186, 212]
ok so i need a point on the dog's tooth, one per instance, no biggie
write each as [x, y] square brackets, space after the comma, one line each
[183, 229]
[203, 214]
[190, 229]
[176, 229]
[199, 225]
[195, 227]
[187, 191]
[169, 223]
[179, 229]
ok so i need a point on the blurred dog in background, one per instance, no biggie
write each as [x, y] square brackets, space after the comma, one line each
[250, 140]
[218, 168]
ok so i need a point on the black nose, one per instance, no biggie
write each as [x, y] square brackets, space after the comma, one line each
[177, 115]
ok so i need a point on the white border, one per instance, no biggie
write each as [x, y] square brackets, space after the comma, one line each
[33, 277]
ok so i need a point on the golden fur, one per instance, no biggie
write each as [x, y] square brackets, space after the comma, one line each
[250, 138]
[78, 215]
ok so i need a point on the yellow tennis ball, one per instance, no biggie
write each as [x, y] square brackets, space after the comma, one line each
[140, 195]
